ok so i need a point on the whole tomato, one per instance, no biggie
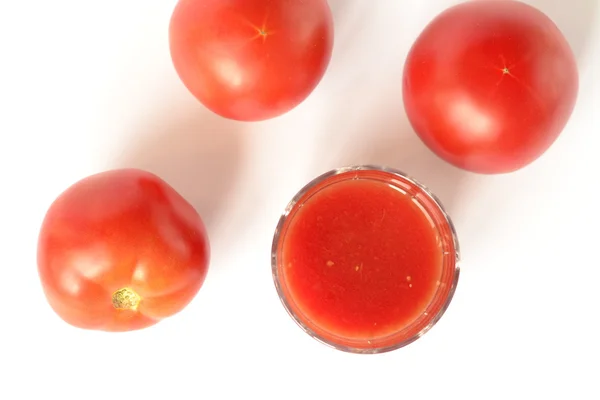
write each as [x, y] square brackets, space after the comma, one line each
[121, 250]
[251, 60]
[489, 85]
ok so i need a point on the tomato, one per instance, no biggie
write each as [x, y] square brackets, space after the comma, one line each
[121, 250]
[489, 85]
[251, 60]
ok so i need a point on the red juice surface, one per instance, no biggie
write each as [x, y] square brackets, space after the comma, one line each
[362, 259]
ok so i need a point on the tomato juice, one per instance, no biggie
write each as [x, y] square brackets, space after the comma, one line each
[365, 259]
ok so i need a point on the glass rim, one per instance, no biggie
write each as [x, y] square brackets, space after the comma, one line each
[277, 238]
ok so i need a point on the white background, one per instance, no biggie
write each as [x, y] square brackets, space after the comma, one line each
[88, 85]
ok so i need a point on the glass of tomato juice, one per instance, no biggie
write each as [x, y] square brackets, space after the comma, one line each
[365, 259]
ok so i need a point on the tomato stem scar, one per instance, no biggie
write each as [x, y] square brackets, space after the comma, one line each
[126, 299]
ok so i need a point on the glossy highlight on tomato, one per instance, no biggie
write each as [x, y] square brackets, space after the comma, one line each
[120, 250]
[490, 85]
[251, 60]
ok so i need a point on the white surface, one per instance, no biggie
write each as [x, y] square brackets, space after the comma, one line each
[86, 86]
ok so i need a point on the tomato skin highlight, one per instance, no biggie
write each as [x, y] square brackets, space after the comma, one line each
[490, 85]
[251, 60]
[121, 230]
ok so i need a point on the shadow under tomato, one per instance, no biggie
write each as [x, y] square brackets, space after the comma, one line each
[196, 152]
[575, 19]
[348, 19]
[363, 48]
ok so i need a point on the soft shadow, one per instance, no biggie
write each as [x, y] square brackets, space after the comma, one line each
[196, 152]
[369, 36]
[348, 20]
[575, 18]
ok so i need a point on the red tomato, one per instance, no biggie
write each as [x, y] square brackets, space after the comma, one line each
[121, 250]
[489, 85]
[251, 60]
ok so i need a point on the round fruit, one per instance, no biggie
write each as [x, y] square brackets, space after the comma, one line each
[490, 85]
[121, 250]
[251, 60]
